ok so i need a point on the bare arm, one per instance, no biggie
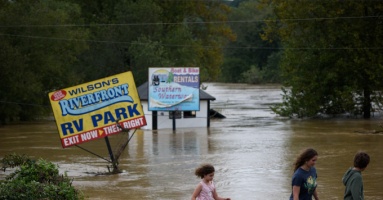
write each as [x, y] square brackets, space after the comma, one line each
[316, 194]
[196, 191]
[216, 197]
[296, 190]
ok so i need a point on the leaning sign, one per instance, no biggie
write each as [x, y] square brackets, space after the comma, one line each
[174, 89]
[97, 109]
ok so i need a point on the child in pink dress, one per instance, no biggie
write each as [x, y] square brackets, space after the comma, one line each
[205, 190]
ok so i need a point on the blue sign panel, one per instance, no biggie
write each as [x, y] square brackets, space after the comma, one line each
[174, 89]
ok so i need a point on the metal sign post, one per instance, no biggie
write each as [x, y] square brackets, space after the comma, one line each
[174, 120]
[113, 161]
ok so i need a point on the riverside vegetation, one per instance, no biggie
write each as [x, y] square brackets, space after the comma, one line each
[35, 179]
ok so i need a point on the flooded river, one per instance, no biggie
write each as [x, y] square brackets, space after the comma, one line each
[252, 149]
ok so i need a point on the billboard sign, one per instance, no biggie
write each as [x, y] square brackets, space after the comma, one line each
[91, 110]
[173, 89]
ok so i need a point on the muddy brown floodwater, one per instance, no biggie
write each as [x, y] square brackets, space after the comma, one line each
[252, 150]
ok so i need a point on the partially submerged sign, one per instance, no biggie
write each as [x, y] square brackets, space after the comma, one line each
[174, 89]
[91, 111]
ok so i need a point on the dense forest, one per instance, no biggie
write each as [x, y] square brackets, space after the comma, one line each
[326, 54]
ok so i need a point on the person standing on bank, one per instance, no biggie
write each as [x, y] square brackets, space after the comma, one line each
[205, 190]
[352, 179]
[304, 181]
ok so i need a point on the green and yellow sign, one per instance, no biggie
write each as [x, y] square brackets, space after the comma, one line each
[97, 109]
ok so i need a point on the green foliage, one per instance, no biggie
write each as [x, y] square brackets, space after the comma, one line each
[191, 39]
[180, 30]
[170, 78]
[268, 74]
[35, 180]
[49, 45]
[144, 54]
[330, 61]
[36, 55]
[118, 47]
[250, 48]
[271, 71]
[252, 76]
[14, 160]
[233, 69]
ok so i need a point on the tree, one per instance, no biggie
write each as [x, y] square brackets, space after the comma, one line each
[115, 26]
[181, 30]
[49, 45]
[144, 54]
[193, 34]
[247, 21]
[332, 59]
[37, 54]
[35, 180]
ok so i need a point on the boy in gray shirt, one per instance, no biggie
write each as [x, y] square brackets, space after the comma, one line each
[352, 179]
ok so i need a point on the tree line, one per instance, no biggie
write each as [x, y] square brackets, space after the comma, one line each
[327, 54]
[332, 56]
[53, 44]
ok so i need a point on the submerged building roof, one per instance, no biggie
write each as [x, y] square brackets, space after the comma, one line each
[143, 93]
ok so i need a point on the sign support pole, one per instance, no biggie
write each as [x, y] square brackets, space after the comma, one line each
[114, 162]
[174, 120]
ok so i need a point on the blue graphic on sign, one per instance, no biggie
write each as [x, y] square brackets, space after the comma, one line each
[174, 89]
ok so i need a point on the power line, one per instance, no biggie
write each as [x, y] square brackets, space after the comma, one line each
[178, 45]
[183, 23]
[62, 39]
[27, 104]
[175, 45]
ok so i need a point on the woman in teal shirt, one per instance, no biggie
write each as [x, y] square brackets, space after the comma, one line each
[304, 179]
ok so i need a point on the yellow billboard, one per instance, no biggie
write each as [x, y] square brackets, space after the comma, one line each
[97, 109]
